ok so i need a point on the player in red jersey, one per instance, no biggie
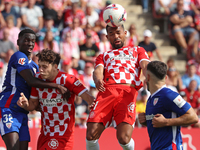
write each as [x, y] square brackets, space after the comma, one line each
[117, 77]
[58, 116]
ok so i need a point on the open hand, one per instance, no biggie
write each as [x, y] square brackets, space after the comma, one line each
[65, 92]
[100, 85]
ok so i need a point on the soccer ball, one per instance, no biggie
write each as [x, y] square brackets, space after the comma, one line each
[114, 15]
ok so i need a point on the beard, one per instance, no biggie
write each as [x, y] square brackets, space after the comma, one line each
[117, 46]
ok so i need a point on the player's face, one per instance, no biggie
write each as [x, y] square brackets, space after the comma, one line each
[26, 43]
[47, 70]
[116, 36]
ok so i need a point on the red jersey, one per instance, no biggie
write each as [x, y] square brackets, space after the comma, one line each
[69, 16]
[193, 99]
[58, 115]
[122, 65]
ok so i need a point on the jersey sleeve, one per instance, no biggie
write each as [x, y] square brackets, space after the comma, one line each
[34, 93]
[142, 54]
[20, 62]
[99, 61]
[176, 103]
[75, 85]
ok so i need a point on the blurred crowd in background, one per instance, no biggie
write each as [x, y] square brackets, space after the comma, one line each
[76, 30]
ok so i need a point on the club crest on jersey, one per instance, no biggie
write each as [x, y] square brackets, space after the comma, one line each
[131, 107]
[53, 144]
[8, 125]
[155, 101]
[92, 114]
[21, 61]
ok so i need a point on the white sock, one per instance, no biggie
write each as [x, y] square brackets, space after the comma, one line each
[129, 146]
[92, 145]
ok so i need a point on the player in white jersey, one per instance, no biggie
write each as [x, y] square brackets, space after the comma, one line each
[58, 116]
[117, 77]
[166, 111]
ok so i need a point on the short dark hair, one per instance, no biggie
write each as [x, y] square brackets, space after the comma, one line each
[49, 56]
[107, 26]
[24, 31]
[158, 68]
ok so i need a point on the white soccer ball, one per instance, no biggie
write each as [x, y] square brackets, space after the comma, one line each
[114, 15]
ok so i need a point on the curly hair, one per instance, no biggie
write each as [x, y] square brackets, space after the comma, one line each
[49, 56]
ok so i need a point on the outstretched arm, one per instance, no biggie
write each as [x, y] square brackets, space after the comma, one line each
[35, 82]
[28, 105]
[88, 97]
[190, 117]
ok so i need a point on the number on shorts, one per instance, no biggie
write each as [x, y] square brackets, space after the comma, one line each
[7, 118]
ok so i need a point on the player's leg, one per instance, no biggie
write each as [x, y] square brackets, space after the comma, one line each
[124, 116]
[24, 145]
[94, 131]
[124, 134]
[100, 116]
[11, 141]
[24, 135]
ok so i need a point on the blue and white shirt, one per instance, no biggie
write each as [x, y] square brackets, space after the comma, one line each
[14, 83]
[171, 105]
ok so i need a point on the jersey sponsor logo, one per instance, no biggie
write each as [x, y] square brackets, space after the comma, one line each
[149, 117]
[53, 144]
[179, 101]
[131, 107]
[155, 101]
[51, 102]
[21, 61]
[77, 83]
[122, 57]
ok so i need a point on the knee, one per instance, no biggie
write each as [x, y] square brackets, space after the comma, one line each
[90, 136]
[123, 139]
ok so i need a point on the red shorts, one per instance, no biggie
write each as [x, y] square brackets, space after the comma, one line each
[58, 143]
[115, 105]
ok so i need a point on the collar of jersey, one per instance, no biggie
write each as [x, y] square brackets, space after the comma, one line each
[158, 90]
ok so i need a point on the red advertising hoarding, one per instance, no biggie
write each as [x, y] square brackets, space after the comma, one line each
[108, 139]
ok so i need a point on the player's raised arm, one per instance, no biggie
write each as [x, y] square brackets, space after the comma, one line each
[28, 105]
[35, 82]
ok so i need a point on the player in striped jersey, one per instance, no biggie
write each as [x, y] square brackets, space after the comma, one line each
[19, 78]
[166, 111]
[58, 116]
